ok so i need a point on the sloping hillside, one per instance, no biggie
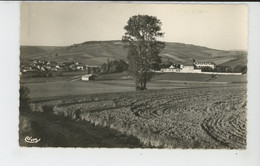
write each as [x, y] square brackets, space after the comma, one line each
[97, 52]
[178, 52]
[38, 51]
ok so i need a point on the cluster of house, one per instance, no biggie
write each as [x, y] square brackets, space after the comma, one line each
[42, 65]
[194, 67]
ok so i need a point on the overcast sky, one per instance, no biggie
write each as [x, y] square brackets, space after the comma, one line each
[66, 23]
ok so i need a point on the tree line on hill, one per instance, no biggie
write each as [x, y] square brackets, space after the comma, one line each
[227, 69]
[114, 66]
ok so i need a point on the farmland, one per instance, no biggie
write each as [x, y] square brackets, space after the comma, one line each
[58, 131]
[201, 77]
[177, 111]
[44, 87]
[186, 117]
[59, 88]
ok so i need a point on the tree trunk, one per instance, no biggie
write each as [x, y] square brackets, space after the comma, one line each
[144, 80]
[144, 84]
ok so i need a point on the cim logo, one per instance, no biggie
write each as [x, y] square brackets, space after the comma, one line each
[31, 140]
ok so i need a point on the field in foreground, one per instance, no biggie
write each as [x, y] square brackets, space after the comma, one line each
[113, 83]
[58, 131]
[209, 117]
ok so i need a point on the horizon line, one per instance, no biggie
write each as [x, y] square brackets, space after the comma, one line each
[121, 40]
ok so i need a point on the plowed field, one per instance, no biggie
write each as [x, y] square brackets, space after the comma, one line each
[211, 117]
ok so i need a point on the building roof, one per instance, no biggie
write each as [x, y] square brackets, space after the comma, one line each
[204, 63]
[171, 67]
[87, 75]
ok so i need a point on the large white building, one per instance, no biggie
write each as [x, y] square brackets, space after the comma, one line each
[186, 68]
[200, 65]
[170, 69]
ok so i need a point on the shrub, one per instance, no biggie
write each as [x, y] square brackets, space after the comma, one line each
[240, 69]
[24, 98]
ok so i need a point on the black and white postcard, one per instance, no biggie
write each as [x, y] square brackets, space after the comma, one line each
[164, 82]
[133, 75]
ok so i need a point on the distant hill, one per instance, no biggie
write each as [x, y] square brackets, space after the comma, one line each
[97, 52]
